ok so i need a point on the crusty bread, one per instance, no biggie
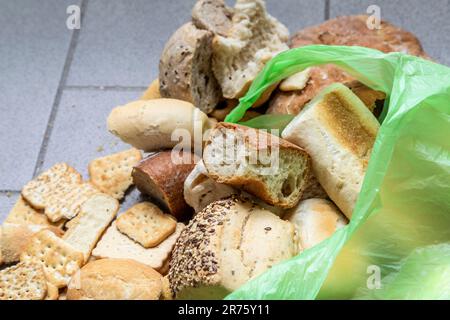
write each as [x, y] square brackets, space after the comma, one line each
[149, 124]
[315, 220]
[338, 132]
[212, 15]
[253, 39]
[225, 245]
[115, 279]
[152, 91]
[185, 70]
[163, 180]
[262, 164]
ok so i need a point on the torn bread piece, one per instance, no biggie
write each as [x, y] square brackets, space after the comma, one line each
[59, 260]
[39, 190]
[114, 244]
[95, 216]
[23, 213]
[212, 15]
[338, 132]
[270, 168]
[146, 224]
[112, 174]
[23, 281]
[15, 238]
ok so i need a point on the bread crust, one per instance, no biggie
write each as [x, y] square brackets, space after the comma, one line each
[161, 179]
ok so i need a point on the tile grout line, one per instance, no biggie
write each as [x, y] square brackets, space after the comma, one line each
[327, 10]
[59, 91]
[9, 191]
[104, 88]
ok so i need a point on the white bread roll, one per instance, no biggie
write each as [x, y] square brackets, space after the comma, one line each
[225, 245]
[338, 132]
[315, 221]
[149, 124]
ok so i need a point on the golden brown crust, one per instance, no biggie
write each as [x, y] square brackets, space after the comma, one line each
[158, 177]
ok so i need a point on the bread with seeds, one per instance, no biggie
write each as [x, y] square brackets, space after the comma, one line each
[225, 245]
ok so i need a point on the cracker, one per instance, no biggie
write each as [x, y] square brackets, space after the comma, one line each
[66, 202]
[59, 259]
[86, 229]
[52, 292]
[112, 174]
[114, 244]
[146, 224]
[23, 213]
[38, 190]
[24, 281]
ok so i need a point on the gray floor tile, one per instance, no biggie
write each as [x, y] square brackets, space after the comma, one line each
[79, 133]
[121, 41]
[429, 20]
[7, 201]
[33, 50]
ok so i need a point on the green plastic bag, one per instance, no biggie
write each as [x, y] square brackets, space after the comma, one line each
[400, 228]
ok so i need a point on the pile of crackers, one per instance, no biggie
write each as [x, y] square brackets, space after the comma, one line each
[61, 223]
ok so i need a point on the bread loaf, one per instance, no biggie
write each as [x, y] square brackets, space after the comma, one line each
[224, 246]
[212, 15]
[262, 164]
[149, 124]
[185, 68]
[315, 221]
[161, 178]
[253, 39]
[338, 132]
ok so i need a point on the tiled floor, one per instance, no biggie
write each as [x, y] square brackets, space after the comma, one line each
[57, 86]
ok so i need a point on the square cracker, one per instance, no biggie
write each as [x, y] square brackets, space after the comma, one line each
[59, 260]
[112, 174]
[66, 203]
[86, 229]
[146, 224]
[23, 213]
[38, 190]
[23, 281]
[114, 244]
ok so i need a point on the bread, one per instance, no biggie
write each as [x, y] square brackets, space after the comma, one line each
[262, 164]
[220, 113]
[338, 132]
[225, 245]
[152, 91]
[185, 71]
[149, 124]
[115, 279]
[253, 39]
[212, 15]
[347, 31]
[159, 177]
[315, 221]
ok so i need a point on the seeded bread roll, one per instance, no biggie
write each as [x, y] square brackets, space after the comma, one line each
[262, 164]
[254, 38]
[185, 68]
[315, 221]
[115, 279]
[338, 132]
[224, 246]
[162, 178]
[212, 15]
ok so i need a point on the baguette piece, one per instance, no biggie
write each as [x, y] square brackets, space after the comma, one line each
[338, 131]
[262, 164]
[225, 245]
[149, 124]
[254, 38]
[185, 70]
[159, 177]
[315, 221]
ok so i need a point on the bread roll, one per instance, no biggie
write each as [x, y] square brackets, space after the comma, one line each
[185, 70]
[262, 164]
[161, 178]
[149, 124]
[212, 15]
[315, 221]
[224, 246]
[152, 91]
[115, 279]
[338, 132]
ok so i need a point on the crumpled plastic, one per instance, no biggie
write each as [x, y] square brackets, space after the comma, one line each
[397, 244]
